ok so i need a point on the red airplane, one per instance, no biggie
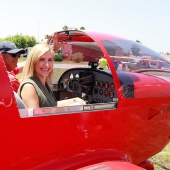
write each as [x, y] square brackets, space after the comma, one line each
[125, 122]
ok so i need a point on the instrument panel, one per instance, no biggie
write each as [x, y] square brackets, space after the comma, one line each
[92, 85]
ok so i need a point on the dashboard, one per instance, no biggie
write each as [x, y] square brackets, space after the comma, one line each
[92, 85]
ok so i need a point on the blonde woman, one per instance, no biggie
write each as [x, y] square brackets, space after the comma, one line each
[34, 89]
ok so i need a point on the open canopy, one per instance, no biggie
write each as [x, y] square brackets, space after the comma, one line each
[126, 55]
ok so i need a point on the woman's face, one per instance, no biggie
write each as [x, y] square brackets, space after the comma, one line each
[44, 65]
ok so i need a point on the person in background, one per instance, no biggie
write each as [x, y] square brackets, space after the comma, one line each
[115, 63]
[10, 54]
[102, 63]
[34, 89]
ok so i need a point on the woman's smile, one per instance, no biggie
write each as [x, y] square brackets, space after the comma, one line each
[44, 66]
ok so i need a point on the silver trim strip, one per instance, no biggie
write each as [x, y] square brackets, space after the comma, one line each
[49, 111]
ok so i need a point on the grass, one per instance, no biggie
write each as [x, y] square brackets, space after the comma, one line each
[56, 75]
[59, 62]
[161, 160]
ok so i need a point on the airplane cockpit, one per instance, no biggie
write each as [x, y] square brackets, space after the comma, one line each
[91, 84]
[78, 73]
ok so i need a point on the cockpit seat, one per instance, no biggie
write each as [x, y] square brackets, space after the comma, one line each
[19, 101]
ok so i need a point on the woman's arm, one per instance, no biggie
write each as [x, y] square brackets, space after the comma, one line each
[56, 44]
[29, 96]
[31, 100]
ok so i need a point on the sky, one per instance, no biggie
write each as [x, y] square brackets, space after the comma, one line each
[144, 20]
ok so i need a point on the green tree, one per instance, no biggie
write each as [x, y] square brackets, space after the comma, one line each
[47, 36]
[31, 41]
[138, 41]
[82, 28]
[65, 27]
[20, 40]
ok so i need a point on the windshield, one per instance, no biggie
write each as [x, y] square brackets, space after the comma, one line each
[74, 55]
[131, 55]
[79, 49]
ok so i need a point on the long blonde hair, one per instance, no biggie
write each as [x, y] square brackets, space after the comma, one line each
[36, 52]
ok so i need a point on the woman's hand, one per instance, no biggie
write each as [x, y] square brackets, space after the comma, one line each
[71, 102]
[78, 100]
